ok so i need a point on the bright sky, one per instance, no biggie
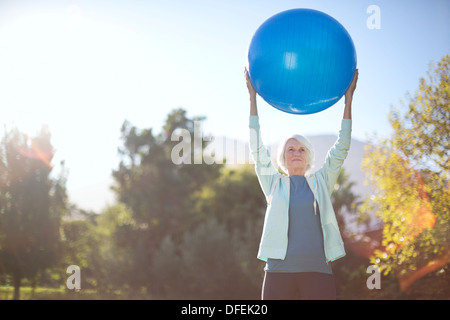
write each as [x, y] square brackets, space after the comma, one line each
[84, 66]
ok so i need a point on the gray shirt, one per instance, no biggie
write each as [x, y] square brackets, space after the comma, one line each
[305, 252]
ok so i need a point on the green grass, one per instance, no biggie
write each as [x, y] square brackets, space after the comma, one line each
[62, 293]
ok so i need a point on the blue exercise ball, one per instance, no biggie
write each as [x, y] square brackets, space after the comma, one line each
[301, 61]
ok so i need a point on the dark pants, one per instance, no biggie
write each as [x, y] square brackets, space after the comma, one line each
[299, 285]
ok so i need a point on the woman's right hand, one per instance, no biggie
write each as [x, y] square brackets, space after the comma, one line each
[250, 88]
[252, 92]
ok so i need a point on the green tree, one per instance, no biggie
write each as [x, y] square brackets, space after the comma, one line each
[31, 208]
[410, 172]
[216, 257]
[156, 188]
[234, 198]
[345, 202]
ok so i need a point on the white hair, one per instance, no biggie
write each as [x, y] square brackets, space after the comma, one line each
[304, 142]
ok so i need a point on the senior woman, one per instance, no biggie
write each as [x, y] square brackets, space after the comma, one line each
[300, 235]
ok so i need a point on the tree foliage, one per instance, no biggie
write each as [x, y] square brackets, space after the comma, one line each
[155, 189]
[345, 202]
[31, 207]
[410, 172]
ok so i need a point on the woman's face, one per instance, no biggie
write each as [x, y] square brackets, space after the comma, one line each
[295, 157]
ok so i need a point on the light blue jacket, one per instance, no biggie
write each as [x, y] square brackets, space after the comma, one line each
[275, 186]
